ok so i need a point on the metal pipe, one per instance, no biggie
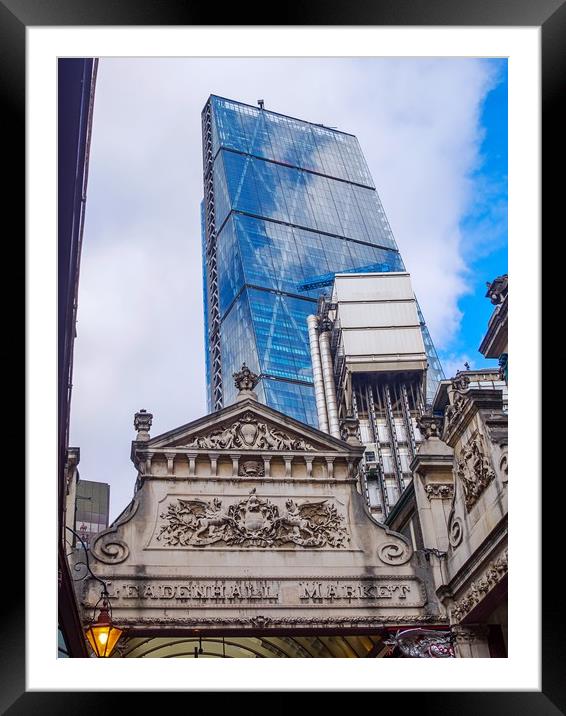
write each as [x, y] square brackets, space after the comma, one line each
[317, 374]
[329, 387]
[390, 418]
[408, 421]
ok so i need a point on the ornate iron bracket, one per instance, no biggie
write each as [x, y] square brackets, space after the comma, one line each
[86, 562]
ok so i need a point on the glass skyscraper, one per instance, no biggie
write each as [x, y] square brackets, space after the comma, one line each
[287, 204]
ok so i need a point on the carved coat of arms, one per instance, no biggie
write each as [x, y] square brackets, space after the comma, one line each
[247, 433]
[252, 521]
[474, 471]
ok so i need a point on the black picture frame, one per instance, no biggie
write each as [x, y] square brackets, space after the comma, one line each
[550, 16]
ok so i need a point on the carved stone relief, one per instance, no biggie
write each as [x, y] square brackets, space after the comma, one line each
[252, 468]
[455, 531]
[430, 426]
[459, 401]
[493, 575]
[474, 471]
[269, 621]
[252, 522]
[248, 434]
[436, 490]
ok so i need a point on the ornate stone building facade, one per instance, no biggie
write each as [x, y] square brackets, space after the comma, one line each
[458, 500]
[249, 531]
[249, 535]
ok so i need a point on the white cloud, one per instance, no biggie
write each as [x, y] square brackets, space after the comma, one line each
[140, 336]
[453, 362]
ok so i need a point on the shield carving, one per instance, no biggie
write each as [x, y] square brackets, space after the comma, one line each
[254, 518]
[248, 432]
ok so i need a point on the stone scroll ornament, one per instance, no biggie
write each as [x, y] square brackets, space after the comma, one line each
[106, 546]
[394, 553]
[248, 434]
[252, 522]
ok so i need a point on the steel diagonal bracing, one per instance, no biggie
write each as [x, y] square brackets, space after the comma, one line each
[394, 445]
[375, 431]
[408, 422]
[211, 267]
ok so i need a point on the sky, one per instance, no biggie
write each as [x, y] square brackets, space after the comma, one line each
[434, 134]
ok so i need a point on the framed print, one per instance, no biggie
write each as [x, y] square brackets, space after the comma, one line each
[272, 474]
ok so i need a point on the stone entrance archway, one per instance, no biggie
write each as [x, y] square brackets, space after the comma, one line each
[254, 647]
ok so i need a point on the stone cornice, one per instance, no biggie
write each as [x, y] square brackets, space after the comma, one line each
[275, 621]
[495, 338]
[470, 402]
[142, 451]
[497, 425]
[429, 463]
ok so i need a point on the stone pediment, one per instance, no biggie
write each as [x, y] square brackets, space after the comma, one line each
[248, 426]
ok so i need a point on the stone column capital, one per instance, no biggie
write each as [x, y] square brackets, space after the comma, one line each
[468, 633]
[437, 490]
[471, 641]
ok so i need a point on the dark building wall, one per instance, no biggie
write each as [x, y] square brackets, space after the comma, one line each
[76, 82]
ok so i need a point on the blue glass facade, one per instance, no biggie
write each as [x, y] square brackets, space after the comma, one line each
[286, 202]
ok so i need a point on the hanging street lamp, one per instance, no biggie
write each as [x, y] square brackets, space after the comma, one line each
[101, 633]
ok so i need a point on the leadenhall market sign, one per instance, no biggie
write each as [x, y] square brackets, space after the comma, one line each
[247, 518]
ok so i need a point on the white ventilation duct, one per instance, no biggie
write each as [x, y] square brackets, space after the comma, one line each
[317, 374]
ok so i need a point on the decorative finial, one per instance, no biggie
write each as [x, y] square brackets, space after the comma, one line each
[142, 423]
[349, 429]
[430, 426]
[245, 380]
[460, 382]
[497, 290]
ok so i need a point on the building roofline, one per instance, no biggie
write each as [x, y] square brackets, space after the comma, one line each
[373, 273]
[279, 114]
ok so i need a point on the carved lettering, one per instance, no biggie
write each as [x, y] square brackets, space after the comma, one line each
[316, 591]
[130, 591]
[218, 591]
[311, 591]
[230, 592]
